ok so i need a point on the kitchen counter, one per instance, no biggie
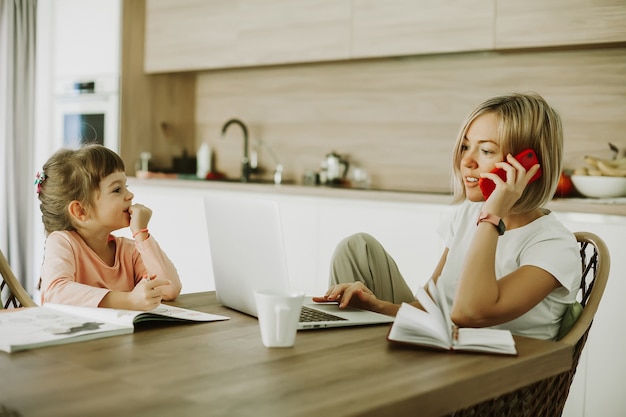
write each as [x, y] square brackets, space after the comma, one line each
[614, 206]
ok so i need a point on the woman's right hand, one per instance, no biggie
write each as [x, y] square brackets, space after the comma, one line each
[354, 294]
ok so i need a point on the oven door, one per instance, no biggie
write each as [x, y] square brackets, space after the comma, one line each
[87, 118]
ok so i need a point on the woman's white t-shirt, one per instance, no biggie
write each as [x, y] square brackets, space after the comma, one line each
[544, 243]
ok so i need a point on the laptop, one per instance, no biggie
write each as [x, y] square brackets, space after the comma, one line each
[247, 253]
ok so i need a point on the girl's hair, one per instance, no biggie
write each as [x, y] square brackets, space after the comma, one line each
[73, 175]
[525, 121]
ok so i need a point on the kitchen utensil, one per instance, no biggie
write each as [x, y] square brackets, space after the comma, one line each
[336, 168]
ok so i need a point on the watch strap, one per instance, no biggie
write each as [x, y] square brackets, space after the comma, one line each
[493, 219]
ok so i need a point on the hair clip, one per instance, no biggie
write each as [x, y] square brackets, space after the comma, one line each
[39, 179]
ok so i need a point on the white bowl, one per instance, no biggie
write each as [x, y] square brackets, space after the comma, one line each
[600, 186]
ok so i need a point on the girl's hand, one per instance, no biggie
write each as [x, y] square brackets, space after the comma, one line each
[139, 217]
[147, 294]
[351, 294]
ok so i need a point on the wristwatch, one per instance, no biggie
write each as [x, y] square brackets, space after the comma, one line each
[493, 219]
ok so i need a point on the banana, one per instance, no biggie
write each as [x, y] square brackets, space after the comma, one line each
[619, 163]
[611, 170]
[591, 160]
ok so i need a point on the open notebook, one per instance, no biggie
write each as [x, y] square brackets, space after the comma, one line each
[247, 253]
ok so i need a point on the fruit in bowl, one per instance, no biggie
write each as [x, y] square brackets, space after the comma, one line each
[564, 187]
[602, 177]
[599, 186]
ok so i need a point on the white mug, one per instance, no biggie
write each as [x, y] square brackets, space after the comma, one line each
[278, 313]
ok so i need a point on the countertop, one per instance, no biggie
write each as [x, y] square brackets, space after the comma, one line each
[613, 206]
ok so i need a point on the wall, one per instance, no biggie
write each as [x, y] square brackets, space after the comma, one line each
[156, 111]
[398, 118]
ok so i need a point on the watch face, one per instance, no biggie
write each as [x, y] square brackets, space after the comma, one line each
[501, 227]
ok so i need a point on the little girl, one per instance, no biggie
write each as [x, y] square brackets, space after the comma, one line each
[84, 198]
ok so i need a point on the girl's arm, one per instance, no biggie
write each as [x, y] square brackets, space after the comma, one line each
[146, 295]
[155, 262]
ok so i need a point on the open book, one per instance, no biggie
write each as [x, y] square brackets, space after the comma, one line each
[433, 328]
[55, 324]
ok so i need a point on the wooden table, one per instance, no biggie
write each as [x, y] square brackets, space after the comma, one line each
[222, 369]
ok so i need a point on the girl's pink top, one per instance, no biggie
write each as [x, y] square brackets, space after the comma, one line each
[73, 274]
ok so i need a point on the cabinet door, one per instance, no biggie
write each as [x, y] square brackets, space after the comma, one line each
[407, 231]
[178, 224]
[405, 27]
[197, 34]
[535, 23]
[86, 38]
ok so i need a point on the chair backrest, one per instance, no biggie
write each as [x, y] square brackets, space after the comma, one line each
[596, 263]
[547, 397]
[12, 293]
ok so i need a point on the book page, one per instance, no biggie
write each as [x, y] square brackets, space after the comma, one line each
[475, 339]
[171, 313]
[433, 309]
[41, 326]
[417, 326]
[440, 299]
[109, 315]
[484, 339]
[128, 317]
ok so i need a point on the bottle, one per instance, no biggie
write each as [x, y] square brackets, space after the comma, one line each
[203, 158]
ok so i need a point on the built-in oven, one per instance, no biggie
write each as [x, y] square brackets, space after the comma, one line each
[87, 111]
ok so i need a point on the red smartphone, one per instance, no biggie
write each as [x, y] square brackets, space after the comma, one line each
[527, 158]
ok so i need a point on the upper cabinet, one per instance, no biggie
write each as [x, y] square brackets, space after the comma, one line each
[408, 27]
[86, 38]
[183, 35]
[539, 23]
[194, 35]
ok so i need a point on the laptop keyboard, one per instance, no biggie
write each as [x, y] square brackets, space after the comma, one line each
[308, 315]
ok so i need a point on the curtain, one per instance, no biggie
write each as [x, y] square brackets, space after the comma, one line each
[17, 85]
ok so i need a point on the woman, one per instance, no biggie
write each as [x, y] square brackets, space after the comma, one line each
[508, 262]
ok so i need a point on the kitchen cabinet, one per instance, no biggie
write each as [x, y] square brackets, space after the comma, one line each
[178, 224]
[408, 27]
[197, 34]
[539, 23]
[86, 38]
[193, 35]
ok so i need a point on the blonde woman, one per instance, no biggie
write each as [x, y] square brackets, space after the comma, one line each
[508, 262]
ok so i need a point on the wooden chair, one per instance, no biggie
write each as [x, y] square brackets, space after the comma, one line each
[547, 397]
[12, 294]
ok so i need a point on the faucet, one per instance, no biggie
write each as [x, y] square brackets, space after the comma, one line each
[245, 161]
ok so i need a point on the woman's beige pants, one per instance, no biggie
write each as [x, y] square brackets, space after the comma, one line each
[361, 257]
